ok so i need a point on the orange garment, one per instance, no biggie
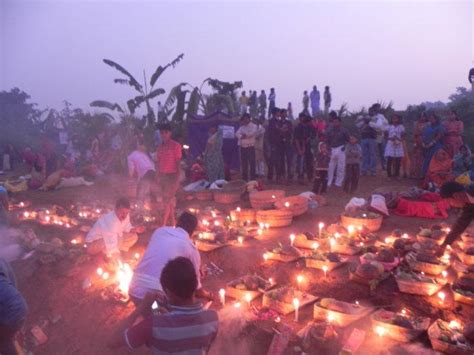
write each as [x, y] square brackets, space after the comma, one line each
[440, 169]
[453, 136]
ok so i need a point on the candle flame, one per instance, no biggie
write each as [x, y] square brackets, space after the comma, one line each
[100, 271]
[237, 305]
[240, 240]
[124, 277]
[454, 324]
[137, 256]
[105, 275]
[330, 317]
[315, 245]
[74, 241]
[444, 273]
[248, 297]
[222, 292]
[299, 279]
[238, 209]
[321, 225]
[287, 204]
[380, 330]
[296, 303]
[441, 296]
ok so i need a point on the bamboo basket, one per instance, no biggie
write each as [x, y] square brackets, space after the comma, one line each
[459, 297]
[363, 281]
[396, 332]
[338, 318]
[438, 241]
[427, 268]
[275, 218]
[282, 257]
[465, 258]
[204, 195]
[318, 264]
[261, 200]
[283, 307]
[239, 294]
[243, 215]
[205, 246]
[236, 185]
[301, 241]
[298, 205]
[372, 224]
[434, 332]
[386, 265]
[467, 238]
[227, 196]
[418, 287]
[345, 249]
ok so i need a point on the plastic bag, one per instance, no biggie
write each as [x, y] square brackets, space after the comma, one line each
[377, 204]
[355, 204]
[196, 186]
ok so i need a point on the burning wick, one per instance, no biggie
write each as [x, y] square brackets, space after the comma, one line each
[332, 243]
[26, 214]
[237, 305]
[287, 204]
[68, 225]
[277, 320]
[22, 204]
[267, 225]
[270, 280]
[315, 245]
[330, 317]
[137, 256]
[74, 241]
[454, 324]
[404, 312]
[296, 304]
[47, 218]
[100, 271]
[260, 232]
[320, 226]
[357, 303]
[380, 330]
[405, 236]
[337, 235]
[238, 209]
[248, 298]
[273, 196]
[444, 273]
[213, 214]
[387, 240]
[299, 280]
[441, 296]
[351, 230]
[222, 296]
[105, 275]
[325, 270]
[154, 306]
[361, 244]
[265, 257]
[216, 223]
[47, 212]
[292, 239]
[185, 146]
[240, 240]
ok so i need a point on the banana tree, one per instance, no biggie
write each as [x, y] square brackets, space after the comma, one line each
[145, 94]
[223, 97]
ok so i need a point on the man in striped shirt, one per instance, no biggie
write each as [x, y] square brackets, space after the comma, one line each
[186, 329]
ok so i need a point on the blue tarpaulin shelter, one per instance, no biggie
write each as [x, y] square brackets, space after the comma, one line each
[198, 133]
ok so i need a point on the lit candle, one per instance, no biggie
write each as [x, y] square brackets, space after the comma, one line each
[240, 240]
[267, 225]
[273, 196]
[222, 296]
[68, 225]
[216, 223]
[448, 230]
[287, 204]
[26, 214]
[261, 225]
[22, 204]
[100, 271]
[441, 296]
[74, 241]
[248, 298]
[320, 226]
[380, 330]
[47, 212]
[213, 214]
[444, 273]
[270, 280]
[296, 304]
[325, 270]
[265, 257]
[351, 230]
[137, 256]
[237, 305]
[337, 235]
[330, 317]
[105, 275]
[454, 324]
[315, 245]
[299, 280]
[154, 307]
[405, 236]
[357, 303]
[292, 239]
[332, 243]
[361, 244]
[185, 146]
[47, 218]
[260, 232]
[238, 209]
[387, 240]
[404, 312]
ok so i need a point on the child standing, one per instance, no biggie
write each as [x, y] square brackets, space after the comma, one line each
[353, 158]
[322, 165]
[394, 151]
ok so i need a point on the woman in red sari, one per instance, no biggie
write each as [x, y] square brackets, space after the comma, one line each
[440, 170]
[454, 128]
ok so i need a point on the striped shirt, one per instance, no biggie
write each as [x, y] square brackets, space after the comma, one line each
[183, 331]
[168, 156]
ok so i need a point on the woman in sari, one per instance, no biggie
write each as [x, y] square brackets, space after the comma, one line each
[213, 159]
[440, 169]
[416, 170]
[432, 140]
[462, 161]
[454, 128]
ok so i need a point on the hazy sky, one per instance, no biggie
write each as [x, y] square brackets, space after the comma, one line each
[404, 51]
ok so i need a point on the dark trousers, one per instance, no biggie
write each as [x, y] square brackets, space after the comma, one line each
[304, 164]
[461, 224]
[247, 160]
[272, 163]
[285, 162]
[393, 166]
[381, 149]
[320, 184]
[351, 181]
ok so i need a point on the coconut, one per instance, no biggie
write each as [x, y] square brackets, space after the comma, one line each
[368, 271]
[386, 256]
[427, 258]
[469, 332]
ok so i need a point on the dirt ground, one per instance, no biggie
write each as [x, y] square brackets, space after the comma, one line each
[87, 321]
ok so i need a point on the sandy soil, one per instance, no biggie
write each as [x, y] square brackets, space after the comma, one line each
[87, 321]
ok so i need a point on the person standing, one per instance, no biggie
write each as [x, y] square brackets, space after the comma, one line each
[417, 154]
[142, 168]
[243, 102]
[353, 153]
[381, 125]
[271, 142]
[246, 135]
[271, 101]
[327, 100]
[305, 103]
[368, 142]
[471, 77]
[262, 100]
[432, 140]
[394, 151]
[453, 128]
[213, 159]
[259, 149]
[161, 113]
[168, 158]
[286, 148]
[320, 184]
[4, 206]
[289, 110]
[315, 101]
[337, 137]
[302, 145]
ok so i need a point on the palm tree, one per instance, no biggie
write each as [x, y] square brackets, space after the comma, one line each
[145, 94]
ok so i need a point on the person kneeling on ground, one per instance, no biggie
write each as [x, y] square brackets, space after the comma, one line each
[113, 233]
[460, 197]
[13, 309]
[165, 244]
[186, 328]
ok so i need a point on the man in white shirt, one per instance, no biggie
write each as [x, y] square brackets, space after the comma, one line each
[380, 124]
[246, 135]
[166, 243]
[142, 168]
[113, 233]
